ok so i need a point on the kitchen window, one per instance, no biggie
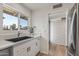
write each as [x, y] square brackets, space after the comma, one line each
[10, 18]
[10, 22]
[13, 20]
[23, 23]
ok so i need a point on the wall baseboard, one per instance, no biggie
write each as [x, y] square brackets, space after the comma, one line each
[44, 52]
[60, 44]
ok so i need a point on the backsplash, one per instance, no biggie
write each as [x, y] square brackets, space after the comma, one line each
[12, 34]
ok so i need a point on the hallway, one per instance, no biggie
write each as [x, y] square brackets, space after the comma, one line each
[55, 50]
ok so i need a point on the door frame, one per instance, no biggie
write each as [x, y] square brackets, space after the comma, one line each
[66, 13]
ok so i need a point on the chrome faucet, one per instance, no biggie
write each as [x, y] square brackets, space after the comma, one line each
[19, 34]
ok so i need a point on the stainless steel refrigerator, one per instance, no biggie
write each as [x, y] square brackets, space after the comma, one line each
[73, 31]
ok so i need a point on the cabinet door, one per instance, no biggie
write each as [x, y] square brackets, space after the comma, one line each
[38, 41]
[20, 50]
[34, 47]
[25, 49]
[31, 48]
[37, 45]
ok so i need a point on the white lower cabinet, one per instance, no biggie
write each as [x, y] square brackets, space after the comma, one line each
[37, 45]
[29, 48]
[20, 50]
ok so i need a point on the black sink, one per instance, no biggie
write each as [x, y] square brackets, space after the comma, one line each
[18, 39]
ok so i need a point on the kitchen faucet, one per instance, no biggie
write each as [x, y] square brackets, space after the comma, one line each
[19, 34]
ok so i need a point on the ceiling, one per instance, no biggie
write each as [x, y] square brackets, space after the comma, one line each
[37, 6]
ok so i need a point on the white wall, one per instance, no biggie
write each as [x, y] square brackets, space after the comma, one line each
[5, 34]
[40, 20]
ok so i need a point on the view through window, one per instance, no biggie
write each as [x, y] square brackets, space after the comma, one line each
[23, 24]
[10, 22]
